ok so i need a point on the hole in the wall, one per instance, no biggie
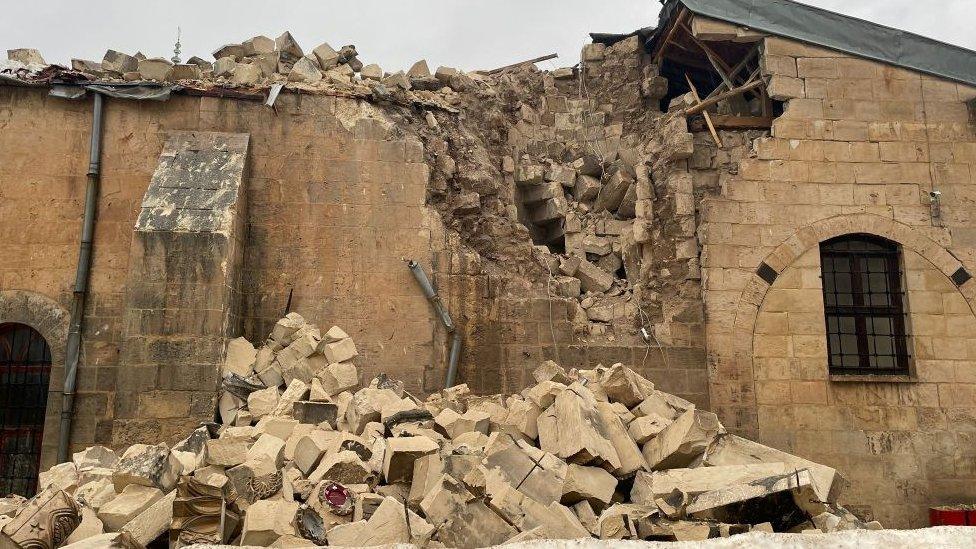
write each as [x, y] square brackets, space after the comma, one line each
[621, 273]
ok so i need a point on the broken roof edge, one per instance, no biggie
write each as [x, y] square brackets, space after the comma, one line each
[820, 27]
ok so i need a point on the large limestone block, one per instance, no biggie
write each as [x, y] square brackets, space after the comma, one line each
[345, 467]
[338, 377]
[296, 390]
[338, 351]
[227, 451]
[112, 540]
[240, 357]
[593, 278]
[730, 449]
[388, 524]
[401, 452]
[623, 385]
[650, 486]
[27, 56]
[267, 520]
[147, 466]
[263, 402]
[154, 521]
[631, 458]
[729, 504]
[311, 447]
[572, 429]
[270, 447]
[587, 483]
[454, 424]
[682, 441]
[95, 456]
[367, 406]
[133, 500]
[63, 476]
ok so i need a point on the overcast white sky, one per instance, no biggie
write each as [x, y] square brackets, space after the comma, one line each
[469, 34]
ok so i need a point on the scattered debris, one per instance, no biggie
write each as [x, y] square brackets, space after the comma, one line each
[582, 453]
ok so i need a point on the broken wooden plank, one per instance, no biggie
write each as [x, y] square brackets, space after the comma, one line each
[715, 99]
[708, 119]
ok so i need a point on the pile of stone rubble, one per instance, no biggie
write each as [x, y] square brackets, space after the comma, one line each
[304, 455]
[257, 63]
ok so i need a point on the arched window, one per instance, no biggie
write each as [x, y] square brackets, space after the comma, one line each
[25, 369]
[864, 305]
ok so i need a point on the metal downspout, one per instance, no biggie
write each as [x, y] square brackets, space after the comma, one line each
[73, 344]
[435, 301]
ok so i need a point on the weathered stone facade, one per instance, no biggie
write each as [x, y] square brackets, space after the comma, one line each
[337, 192]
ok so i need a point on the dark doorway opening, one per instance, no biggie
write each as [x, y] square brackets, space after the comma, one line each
[25, 370]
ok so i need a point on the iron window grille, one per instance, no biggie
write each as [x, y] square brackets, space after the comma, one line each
[864, 306]
[25, 369]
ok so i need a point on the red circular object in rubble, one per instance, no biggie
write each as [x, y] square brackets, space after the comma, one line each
[336, 495]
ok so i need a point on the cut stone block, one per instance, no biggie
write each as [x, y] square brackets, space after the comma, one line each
[269, 447]
[454, 424]
[623, 385]
[27, 56]
[570, 430]
[132, 501]
[316, 412]
[338, 377]
[730, 449]
[263, 402]
[305, 71]
[296, 390]
[401, 453]
[148, 466]
[156, 68]
[587, 483]
[257, 45]
[153, 522]
[650, 486]
[119, 62]
[388, 525]
[266, 521]
[227, 451]
[682, 441]
[550, 371]
[627, 450]
[311, 447]
[338, 351]
[286, 43]
[345, 467]
[240, 357]
[645, 428]
[593, 278]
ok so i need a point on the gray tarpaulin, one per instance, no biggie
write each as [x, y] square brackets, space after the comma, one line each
[838, 32]
[150, 93]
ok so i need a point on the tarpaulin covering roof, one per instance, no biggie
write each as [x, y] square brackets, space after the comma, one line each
[838, 32]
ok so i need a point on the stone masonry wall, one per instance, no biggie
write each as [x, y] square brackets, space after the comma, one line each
[858, 149]
[335, 203]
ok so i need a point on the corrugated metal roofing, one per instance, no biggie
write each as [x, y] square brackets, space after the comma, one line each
[838, 32]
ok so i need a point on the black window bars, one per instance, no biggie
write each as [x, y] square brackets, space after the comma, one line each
[25, 369]
[864, 306]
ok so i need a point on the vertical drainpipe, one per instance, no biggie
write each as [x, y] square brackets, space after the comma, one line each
[73, 345]
[435, 300]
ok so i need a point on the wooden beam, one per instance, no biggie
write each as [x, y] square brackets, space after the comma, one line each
[731, 122]
[715, 99]
[708, 119]
[520, 63]
[667, 37]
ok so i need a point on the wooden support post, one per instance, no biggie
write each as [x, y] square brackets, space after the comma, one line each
[708, 119]
[667, 37]
[715, 99]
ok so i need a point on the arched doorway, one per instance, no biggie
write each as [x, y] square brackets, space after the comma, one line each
[25, 369]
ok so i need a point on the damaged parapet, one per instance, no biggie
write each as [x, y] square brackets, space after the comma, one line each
[305, 455]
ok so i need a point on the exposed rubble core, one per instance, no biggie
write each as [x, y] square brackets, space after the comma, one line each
[304, 455]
